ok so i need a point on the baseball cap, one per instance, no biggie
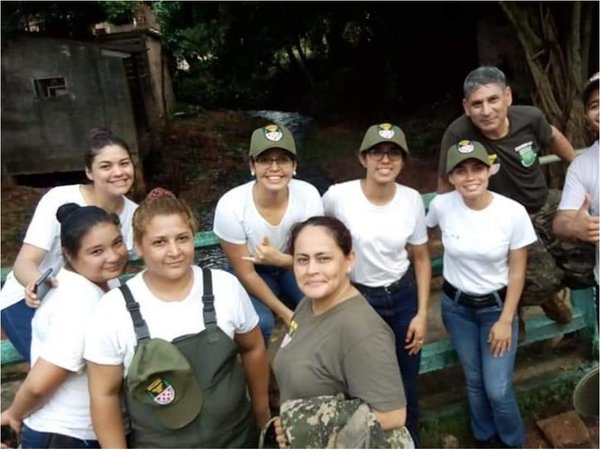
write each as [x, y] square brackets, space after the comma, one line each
[383, 132]
[466, 150]
[590, 84]
[271, 136]
[161, 376]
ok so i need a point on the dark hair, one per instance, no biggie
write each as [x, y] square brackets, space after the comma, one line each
[159, 202]
[98, 139]
[481, 76]
[76, 221]
[338, 231]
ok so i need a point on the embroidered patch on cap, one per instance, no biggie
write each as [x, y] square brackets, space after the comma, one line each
[273, 133]
[465, 147]
[161, 391]
[385, 130]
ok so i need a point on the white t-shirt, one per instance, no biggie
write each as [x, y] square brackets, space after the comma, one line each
[111, 338]
[582, 178]
[44, 232]
[58, 336]
[477, 243]
[379, 232]
[238, 221]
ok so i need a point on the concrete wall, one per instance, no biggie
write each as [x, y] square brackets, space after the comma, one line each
[44, 135]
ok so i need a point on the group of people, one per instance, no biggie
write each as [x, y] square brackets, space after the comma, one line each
[176, 356]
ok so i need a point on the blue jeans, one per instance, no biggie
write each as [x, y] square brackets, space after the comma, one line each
[16, 324]
[283, 284]
[39, 439]
[493, 404]
[397, 310]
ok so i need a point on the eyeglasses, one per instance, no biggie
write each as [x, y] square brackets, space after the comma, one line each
[282, 161]
[393, 154]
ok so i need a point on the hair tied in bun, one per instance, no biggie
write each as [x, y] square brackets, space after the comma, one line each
[158, 193]
[64, 211]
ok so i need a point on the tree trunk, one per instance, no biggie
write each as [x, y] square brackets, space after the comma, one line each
[558, 67]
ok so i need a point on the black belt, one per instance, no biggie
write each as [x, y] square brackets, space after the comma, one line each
[389, 289]
[474, 301]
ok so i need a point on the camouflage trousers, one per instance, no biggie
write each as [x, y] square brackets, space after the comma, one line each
[554, 264]
[332, 421]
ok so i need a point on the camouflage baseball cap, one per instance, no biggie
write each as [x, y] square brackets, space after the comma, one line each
[271, 136]
[590, 84]
[383, 132]
[466, 150]
[161, 376]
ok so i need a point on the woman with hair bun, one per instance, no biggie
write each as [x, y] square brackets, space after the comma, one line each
[109, 167]
[51, 408]
[180, 343]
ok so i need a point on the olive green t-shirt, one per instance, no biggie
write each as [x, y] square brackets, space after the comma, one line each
[519, 175]
[348, 349]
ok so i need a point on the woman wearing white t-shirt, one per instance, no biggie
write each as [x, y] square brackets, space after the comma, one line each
[109, 167]
[253, 222]
[188, 349]
[387, 222]
[53, 401]
[485, 237]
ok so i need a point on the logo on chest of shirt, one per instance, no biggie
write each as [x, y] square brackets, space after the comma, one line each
[288, 336]
[526, 153]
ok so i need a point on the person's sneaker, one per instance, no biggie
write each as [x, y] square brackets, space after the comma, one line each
[558, 308]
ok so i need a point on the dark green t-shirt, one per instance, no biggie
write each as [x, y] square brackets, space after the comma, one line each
[348, 349]
[520, 176]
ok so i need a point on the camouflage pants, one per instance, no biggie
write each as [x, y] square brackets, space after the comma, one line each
[554, 264]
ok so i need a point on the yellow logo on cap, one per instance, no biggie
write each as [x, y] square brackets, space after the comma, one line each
[161, 391]
[465, 146]
[386, 130]
[273, 133]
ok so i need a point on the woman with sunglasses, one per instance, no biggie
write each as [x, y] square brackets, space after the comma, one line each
[253, 222]
[393, 270]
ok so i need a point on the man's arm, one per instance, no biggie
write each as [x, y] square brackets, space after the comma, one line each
[577, 224]
[560, 145]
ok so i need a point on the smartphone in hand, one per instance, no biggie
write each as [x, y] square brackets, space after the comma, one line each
[9, 437]
[42, 284]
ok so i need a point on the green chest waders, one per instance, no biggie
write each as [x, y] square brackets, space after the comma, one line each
[225, 420]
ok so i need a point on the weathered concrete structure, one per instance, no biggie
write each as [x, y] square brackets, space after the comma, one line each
[54, 92]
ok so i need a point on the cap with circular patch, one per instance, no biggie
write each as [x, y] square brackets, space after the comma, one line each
[383, 132]
[271, 136]
[466, 150]
[161, 376]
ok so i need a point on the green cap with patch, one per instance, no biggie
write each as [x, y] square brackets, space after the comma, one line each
[161, 376]
[271, 136]
[466, 150]
[383, 132]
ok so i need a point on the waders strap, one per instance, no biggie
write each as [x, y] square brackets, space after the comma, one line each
[208, 310]
[139, 324]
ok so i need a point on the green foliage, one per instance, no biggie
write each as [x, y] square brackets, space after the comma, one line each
[118, 12]
[54, 18]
